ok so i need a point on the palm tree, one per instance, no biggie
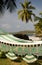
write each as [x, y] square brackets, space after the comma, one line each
[9, 4]
[1, 5]
[26, 12]
[38, 26]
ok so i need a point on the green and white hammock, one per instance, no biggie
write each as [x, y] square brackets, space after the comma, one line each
[18, 47]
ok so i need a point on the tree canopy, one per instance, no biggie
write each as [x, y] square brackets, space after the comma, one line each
[9, 4]
[26, 12]
[38, 26]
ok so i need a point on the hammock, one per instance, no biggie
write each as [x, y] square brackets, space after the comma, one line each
[18, 47]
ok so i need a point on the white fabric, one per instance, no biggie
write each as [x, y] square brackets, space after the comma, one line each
[11, 56]
[10, 41]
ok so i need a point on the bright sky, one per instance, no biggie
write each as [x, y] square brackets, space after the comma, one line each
[10, 22]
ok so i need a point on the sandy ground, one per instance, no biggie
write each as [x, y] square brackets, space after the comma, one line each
[17, 62]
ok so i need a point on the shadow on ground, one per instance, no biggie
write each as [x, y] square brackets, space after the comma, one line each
[18, 59]
[35, 63]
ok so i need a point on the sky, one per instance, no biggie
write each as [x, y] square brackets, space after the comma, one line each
[10, 22]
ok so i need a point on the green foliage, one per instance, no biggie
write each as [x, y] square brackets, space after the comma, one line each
[26, 13]
[2, 55]
[38, 26]
[40, 13]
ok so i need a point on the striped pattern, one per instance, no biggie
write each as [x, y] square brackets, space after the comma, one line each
[11, 56]
[9, 42]
[29, 58]
[21, 47]
[10, 39]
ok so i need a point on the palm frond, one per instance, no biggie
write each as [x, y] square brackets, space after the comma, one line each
[20, 11]
[29, 2]
[36, 18]
[14, 3]
[22, 18]
[10, 4]
[31, 7]
[38, 27]
[11, 7]
[20, 15]
[22, 5]
[25, 4]
[1, 5]
[26, 19]
[1, 2]
[33, 14]
[26, 12]
[6, 1]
